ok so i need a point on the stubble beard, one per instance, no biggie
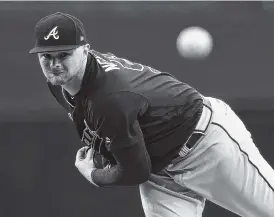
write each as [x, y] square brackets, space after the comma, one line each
[58, 80]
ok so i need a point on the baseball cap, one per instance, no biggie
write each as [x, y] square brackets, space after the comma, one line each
[58, 32]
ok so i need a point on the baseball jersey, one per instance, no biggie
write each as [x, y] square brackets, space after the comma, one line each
[140, 116]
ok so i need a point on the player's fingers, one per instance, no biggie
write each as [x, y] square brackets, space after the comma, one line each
[81, 153]
[90, 154]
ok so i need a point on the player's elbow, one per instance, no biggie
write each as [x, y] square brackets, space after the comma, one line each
[144, 177]
[137, 179]
[142, 174]
[145, 170]
[135, 175]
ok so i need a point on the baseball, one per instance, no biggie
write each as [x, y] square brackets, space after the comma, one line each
[194, 43]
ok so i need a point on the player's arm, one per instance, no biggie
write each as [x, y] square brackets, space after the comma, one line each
[119, 122]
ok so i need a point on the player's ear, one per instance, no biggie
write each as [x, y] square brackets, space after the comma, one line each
[86, 49]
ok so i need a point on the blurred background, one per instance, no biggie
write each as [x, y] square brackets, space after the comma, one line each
[39, 142]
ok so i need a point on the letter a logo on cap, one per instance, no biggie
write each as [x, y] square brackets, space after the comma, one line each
[52, 33]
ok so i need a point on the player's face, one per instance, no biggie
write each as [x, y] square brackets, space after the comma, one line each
[60, 67]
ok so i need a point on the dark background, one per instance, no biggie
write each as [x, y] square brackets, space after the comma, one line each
[39, 142]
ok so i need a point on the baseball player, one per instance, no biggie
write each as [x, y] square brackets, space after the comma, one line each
[140, 126]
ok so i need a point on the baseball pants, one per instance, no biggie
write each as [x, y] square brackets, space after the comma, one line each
[224, 167]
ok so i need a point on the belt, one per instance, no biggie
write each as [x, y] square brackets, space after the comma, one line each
[200, 129]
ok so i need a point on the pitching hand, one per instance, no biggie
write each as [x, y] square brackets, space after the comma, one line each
[84, 162]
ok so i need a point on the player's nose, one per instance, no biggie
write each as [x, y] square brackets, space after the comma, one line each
[55, 63]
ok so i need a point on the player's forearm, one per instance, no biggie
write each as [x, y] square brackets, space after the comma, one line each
[115, 176]
[133, 168]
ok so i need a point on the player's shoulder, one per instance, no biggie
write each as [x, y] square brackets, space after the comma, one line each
[102, 57]
[111, 62]
[98, 54]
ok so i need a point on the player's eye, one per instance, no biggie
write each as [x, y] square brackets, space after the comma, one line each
[63, 55]
[47, 56]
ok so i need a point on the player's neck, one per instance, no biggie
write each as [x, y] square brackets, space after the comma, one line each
[73, 86]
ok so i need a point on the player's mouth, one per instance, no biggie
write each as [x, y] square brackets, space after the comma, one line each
[57, 73]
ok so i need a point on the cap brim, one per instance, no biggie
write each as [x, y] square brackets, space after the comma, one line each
[52, 48]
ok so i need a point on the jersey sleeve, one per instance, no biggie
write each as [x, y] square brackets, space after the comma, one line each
[119, 122]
